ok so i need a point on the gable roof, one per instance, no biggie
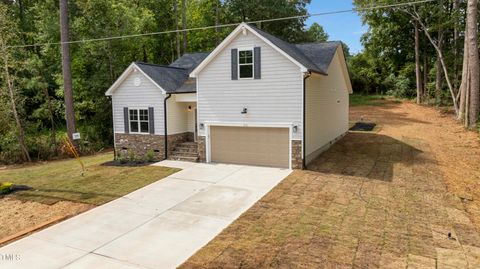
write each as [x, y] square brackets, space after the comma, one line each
[320, 53]
[169, 79]
[313, 57]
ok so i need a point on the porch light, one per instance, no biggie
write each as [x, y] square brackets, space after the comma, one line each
[202, 126]
[189, 108]
[295, 128]
[244, 111]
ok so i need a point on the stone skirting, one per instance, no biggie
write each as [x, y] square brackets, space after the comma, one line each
[297, 161]
[202, 149]
[140, 144]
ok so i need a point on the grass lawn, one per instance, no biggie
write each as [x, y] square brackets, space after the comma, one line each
[367, 100]
[62, 180]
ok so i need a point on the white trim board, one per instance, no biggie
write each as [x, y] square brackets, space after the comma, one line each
[230, 38]
[131, 68]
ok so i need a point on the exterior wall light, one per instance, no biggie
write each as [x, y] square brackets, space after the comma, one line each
[244, 111]
[295, 128]
[202, 126]
[189, 108]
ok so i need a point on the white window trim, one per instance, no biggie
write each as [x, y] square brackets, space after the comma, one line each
[239, 64]
[139, 121]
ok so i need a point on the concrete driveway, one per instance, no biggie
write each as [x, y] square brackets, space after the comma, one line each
[158, 226]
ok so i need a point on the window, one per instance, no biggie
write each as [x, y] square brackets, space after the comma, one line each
[245, 63]
[138, 120]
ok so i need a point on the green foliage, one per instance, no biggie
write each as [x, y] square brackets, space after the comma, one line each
[132, 157]
[5, 187]
[150, 155]
[366, 100]
[316, 33]
[96, 65]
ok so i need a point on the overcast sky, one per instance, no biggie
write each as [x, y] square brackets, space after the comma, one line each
[346, 27]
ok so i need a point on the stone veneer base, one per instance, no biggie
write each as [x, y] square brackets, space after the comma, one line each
[140, 144]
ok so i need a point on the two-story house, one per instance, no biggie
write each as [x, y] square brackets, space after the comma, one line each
[255, 99]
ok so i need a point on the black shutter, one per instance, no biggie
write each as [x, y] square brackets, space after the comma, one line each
[257, 64]
[151, 121]
[125, 120]
[234, 64]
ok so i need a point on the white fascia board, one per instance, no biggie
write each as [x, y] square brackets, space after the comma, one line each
[230, 38]
[130, 68]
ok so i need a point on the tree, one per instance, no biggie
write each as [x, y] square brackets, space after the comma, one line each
[7, 37]
[316, 33]
[184, 25]
[470, 80]
[66, 70]
[418, 71]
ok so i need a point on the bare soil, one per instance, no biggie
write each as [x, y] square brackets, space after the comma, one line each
[18, 216]
[404, 196]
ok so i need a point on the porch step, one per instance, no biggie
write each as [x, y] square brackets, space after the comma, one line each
[187, 151]
[184, 158]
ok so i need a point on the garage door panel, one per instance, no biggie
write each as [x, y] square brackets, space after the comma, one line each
[250, 145]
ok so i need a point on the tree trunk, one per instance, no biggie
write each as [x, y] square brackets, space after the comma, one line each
[456, 8]
[418, 72]
[438, 73]
[184, 25]
[463, 85]
[473, 63]
[66, 70]
[177, 34]
[442, 60]
[425, 95]
[11, 95]
[52, 122]
[217, 22]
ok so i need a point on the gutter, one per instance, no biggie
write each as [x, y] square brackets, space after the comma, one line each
[165, 124]
[304, 131]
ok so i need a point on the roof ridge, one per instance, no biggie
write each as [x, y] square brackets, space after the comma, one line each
[161, 65]
[319, 42]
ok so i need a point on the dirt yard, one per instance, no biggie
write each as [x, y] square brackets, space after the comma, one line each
[407, 196]
[18, 216]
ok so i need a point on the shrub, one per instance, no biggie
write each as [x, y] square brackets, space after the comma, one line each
[5, 187]
[150, 155]
[131, 155]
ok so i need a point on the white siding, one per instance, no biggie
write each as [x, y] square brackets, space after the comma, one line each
[191, 118]
[143, 96]
[275, 98]
[177, 113]
[325, 118]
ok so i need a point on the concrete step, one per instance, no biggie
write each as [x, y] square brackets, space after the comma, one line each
[185, 149]
[187, 145]
[184, 153]
[183, 158]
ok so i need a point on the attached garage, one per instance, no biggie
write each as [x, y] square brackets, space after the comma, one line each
[263, 146]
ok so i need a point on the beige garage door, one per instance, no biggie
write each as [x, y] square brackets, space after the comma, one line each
[250, 145]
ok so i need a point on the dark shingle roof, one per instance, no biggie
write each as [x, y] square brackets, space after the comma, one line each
[315, 57]
[190, 60]
[320, 53]
[174, 78]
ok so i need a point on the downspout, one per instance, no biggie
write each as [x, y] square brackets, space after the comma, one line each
[165, 124]
[304, 132]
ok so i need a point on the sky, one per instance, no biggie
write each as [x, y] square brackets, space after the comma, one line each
[346, 27]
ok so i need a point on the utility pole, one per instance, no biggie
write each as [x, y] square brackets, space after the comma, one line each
[66, 70]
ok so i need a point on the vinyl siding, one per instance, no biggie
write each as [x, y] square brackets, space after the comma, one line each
[178, 120]
[143, 96]
[325, 118]
[275, 98]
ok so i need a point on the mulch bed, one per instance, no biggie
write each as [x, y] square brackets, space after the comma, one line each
[127, 164]
[363, 126]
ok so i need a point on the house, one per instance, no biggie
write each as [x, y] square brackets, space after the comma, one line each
[255, 99]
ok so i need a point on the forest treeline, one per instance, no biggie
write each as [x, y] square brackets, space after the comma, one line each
[400, 57]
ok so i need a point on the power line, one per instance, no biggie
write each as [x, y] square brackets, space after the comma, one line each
[227, 25]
